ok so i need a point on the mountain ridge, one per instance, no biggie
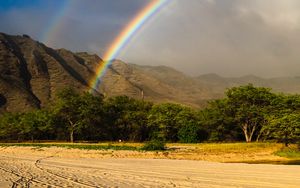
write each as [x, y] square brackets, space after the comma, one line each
[31, 74]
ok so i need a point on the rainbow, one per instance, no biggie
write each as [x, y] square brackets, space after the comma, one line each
[124, 37]
[56, 23]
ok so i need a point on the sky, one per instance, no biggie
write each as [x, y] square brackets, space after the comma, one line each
[227, 37]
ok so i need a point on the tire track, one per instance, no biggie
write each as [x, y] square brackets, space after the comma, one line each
[128, 176]
[58, 171]
[65, 178]
[23, 180]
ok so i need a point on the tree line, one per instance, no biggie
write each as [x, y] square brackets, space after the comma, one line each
[245, 113]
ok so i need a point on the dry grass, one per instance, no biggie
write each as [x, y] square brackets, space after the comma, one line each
[228, 152]
[218, 152]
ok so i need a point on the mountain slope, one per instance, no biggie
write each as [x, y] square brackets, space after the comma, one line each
[31, 74]
[219, 84]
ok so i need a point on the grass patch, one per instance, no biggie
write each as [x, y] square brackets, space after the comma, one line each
[276, 162]
[266, 153]
[219, 148]
[73, 146]
[210, 148]
[290, 152]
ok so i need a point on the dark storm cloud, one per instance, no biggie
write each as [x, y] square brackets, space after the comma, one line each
[86, 25]
[26, 21]
[98, 23]
[228, 37]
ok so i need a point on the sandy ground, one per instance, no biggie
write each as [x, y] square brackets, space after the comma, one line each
[58, 167]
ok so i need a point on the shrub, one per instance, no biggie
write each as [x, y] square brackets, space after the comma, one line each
[154, 145]
[192, 133]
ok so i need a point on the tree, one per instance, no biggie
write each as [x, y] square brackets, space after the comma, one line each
[285, 128]
[190, 129]
[219, 122]
[282, 107]
[291, 102]
[36, 123]
[167, 120]
[162, 121]
[248, 105]
[77, 111]
[2, 100]
[127, 118]
[92, 113]
[9, 126]
[137, 116]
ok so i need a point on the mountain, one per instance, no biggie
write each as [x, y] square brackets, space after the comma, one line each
[181, 88]
[31, 74]
[219, 84]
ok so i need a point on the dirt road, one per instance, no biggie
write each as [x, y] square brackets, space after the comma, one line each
[22, 170]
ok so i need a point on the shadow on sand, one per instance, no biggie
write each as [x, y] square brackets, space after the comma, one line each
[289, 162]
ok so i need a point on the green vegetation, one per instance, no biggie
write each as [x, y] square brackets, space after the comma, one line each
[221, 152]
[154, 145]
[289, 152]
[245, 113]
[76, 112]
[247, 106]
[74, 146]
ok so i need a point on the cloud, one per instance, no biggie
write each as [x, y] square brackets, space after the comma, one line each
[228, 37]
[85, 25]
[26, 21]
[97, 23]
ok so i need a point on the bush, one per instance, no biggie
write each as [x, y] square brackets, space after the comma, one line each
[192, 134]
[154, 145]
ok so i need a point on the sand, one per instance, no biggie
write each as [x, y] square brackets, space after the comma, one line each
[59, 167]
